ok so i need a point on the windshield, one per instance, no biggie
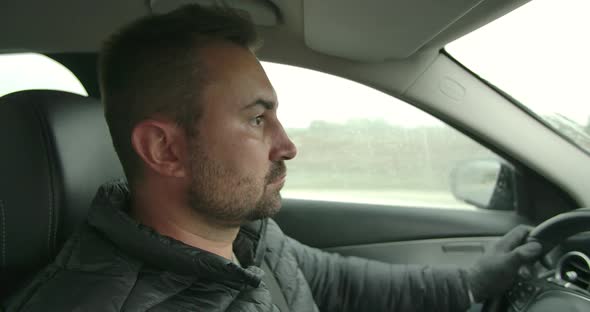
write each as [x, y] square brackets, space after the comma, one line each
[540, 55]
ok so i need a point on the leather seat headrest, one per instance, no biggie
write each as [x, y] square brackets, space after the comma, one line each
[56, 151]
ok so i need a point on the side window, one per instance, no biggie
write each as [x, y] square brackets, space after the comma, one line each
[25, 71]
[357, 144]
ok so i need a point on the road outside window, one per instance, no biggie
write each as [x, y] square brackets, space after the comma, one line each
[356, 144]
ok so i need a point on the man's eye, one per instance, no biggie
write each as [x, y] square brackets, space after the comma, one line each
[257, 121]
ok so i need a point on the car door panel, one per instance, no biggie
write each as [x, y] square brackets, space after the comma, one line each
[395, 234]
[449, 251]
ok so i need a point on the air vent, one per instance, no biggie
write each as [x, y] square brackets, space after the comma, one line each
[574, 267]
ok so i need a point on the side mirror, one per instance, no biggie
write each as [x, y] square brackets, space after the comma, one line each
[485, 183]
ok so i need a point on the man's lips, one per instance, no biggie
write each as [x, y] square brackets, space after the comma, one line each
[281, 179]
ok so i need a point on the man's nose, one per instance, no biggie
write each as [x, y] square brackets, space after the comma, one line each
[283, 148]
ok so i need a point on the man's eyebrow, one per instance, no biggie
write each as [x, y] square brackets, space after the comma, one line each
[266, 104]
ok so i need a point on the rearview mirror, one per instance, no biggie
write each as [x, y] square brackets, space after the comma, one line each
[485, 183]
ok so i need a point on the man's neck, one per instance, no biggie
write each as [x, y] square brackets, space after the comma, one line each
[185, 225]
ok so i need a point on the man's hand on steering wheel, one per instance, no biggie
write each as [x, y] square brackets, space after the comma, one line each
[495, 271]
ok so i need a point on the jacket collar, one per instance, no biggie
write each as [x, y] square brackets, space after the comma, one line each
[109, 216]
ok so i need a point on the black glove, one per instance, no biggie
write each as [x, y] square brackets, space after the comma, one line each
[496, 270]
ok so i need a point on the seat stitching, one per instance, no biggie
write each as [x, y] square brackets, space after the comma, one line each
[3, 233]
[48, 146]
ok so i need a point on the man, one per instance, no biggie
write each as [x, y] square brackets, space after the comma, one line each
[193, 119]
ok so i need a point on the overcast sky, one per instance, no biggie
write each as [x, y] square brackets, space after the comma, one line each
[539, 53]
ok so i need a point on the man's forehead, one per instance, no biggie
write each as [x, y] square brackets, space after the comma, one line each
[230, 66]
[222, 58]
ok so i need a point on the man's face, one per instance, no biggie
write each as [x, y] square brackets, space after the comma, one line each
[238, 152]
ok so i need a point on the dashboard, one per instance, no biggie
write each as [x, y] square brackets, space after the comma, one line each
[560, 283]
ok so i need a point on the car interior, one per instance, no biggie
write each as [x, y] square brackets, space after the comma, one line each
[58, 151]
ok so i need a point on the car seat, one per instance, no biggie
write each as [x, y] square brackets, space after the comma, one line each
[56, 151]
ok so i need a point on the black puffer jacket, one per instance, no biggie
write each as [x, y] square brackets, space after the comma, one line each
[114, 263]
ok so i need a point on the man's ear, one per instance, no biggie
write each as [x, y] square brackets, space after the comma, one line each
[162, 146]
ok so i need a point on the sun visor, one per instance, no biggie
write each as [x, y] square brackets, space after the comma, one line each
[261, 12]
[376, 30]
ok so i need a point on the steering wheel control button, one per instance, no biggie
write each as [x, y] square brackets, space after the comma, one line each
[521, 294]
[519, 304]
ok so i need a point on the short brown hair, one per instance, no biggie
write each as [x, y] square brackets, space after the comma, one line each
[154, 66]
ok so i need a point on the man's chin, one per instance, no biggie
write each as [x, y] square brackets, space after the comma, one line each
[267, 213]
[266, 209]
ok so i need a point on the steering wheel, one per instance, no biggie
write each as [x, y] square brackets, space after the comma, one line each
[546, 293]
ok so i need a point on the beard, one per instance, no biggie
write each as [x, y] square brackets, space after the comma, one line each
[227, 197]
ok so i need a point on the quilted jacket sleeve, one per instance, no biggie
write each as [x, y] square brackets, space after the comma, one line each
[353, 284]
